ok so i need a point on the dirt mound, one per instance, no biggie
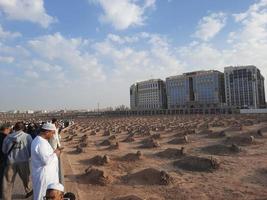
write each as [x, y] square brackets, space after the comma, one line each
[217, 124]
[220, 149]
[106, 133]
[84, 144]
[129, 139]
[179, 134]
[248, 122]
[79, 149]
[189, 131]
[149, 176]
[194, 163]
[92, 132]
[241, 140]
[132, 156]
[69, 138]
[96, 176]
[114, 146]
[180, 140]
[219, 134]
[262, 172]
[264, 129]
[99, 160]
[84, 137]
[205, 132]
[171, 153]
[150, 143]
[236, 127]
[257, 134]
[105, 143]
[113, 137]
[156, 136]
[130, 197]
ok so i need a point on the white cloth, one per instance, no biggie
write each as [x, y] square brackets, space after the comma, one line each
[55, 141]
[56, 186]
[44, 164]
[49, 126]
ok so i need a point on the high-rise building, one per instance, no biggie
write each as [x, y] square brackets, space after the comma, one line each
[195, 90]
[148, 95]
[244, 87]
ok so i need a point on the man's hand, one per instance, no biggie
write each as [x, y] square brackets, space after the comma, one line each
[58, 152]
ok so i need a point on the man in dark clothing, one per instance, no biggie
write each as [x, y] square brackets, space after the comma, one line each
[4, 131]
[17, 147]
[32, 130]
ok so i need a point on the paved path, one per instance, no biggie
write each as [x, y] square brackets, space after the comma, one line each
[18, 191]
[69, 178]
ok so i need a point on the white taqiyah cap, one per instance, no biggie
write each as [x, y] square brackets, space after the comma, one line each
[56, 186]
[49, 127]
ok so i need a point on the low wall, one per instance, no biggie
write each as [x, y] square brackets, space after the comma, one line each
[253, 111]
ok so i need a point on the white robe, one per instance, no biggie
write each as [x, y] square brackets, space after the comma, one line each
[44, 167]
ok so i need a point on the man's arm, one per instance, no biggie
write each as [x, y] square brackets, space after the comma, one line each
[5, 146]
[45, 157]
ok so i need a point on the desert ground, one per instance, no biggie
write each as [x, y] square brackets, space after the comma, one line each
[168, 157]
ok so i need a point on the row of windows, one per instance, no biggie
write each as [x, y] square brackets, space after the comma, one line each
[149, 85]
[149, 106]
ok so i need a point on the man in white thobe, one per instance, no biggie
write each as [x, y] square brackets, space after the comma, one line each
[44, 161]
[55, 141]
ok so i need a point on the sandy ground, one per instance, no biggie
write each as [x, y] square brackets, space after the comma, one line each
[238, 174]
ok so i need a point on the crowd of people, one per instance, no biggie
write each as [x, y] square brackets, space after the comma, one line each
[32, 151]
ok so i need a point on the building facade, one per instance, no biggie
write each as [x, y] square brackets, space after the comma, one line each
[196, 90]
[244, 87]
[148, 95]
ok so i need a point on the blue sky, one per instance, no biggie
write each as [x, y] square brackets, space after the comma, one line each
[72, 54]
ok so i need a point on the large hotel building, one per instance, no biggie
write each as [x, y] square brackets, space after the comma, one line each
[238, 87]
[148, 95]
[195, 89]
[244, 87]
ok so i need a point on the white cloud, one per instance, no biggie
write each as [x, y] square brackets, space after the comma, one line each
[56, 48]
[7, 35]
[96, 71]
[6, 59]
[26, 10]
[124, 13]
[149, 3]
[254, 22]
[31, 74]
[210, 26]
[151, 56]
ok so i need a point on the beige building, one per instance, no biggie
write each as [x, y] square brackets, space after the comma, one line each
[148, 95]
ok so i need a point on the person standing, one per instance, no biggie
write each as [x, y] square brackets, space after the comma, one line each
[4, 131]
[17, 147]
[44, 162]
[55, 141]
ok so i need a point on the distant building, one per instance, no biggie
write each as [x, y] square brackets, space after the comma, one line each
[29, 111]
[244, 87]
[148, 95]
[195, 90]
